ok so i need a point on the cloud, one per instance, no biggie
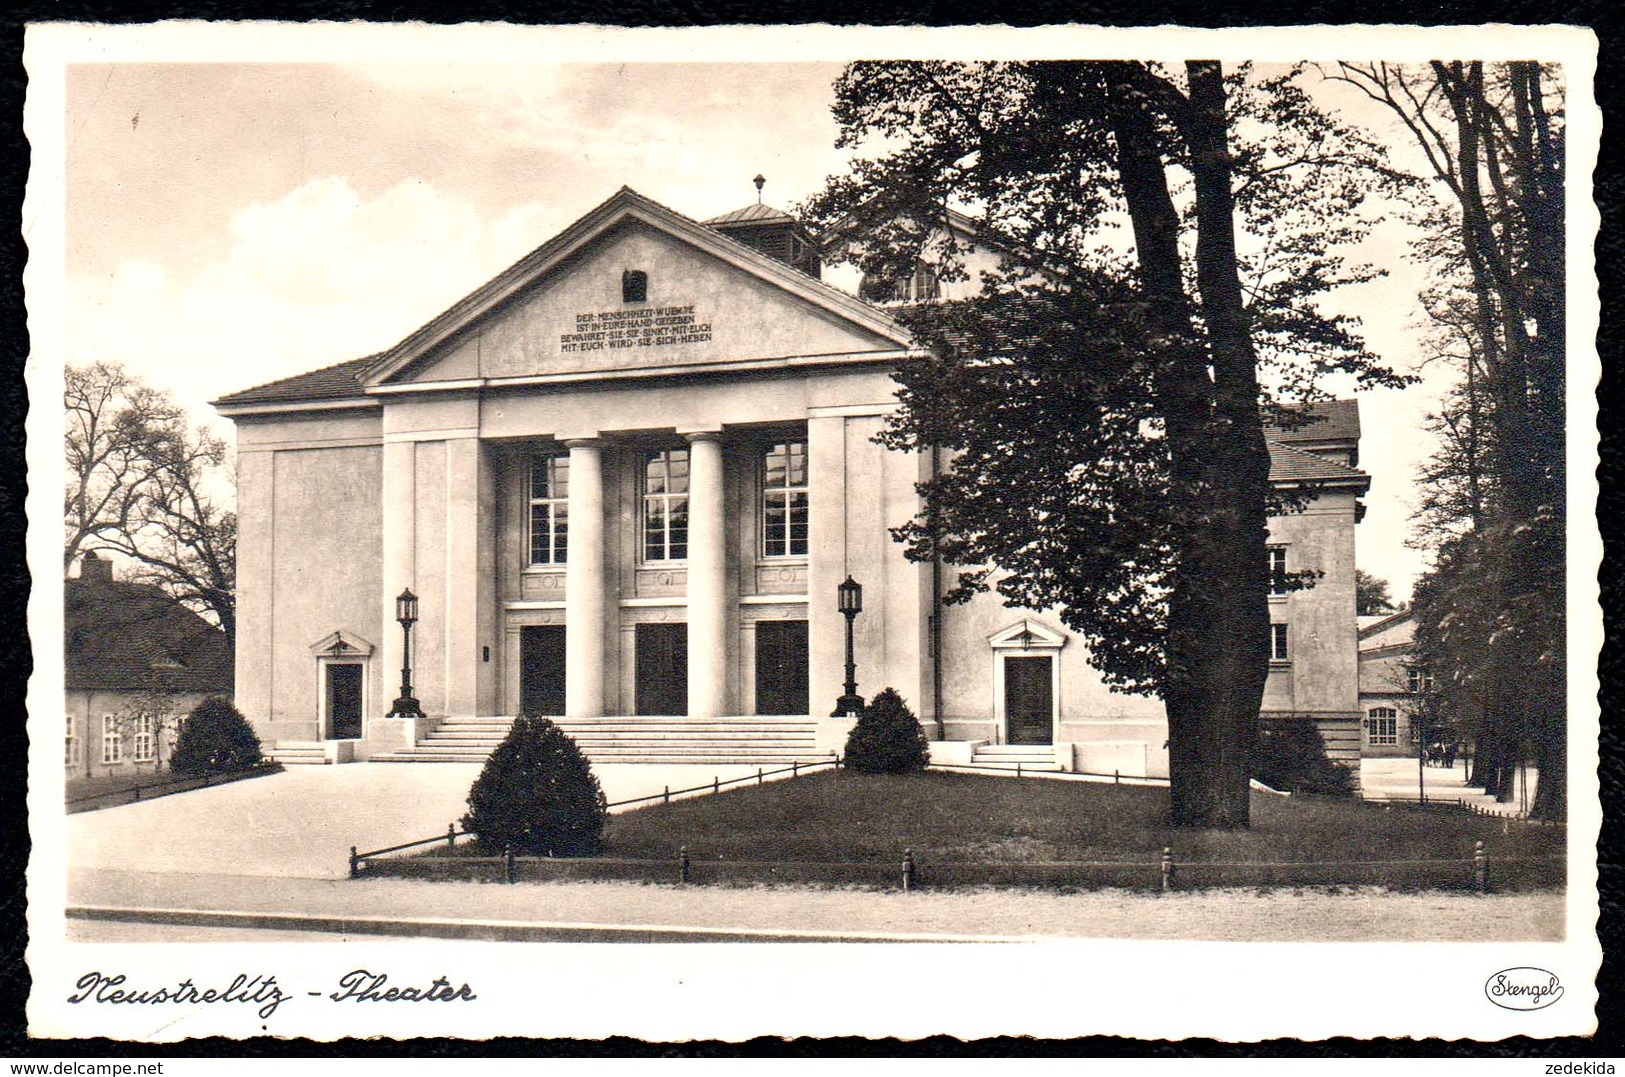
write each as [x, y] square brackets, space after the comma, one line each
[315, 277]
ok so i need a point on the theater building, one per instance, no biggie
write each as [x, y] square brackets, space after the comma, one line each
[624, 479]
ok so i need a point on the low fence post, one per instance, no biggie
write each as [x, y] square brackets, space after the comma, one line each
[451, 835]
[355, 863]
[908, 870]
[665, 797]
[1018, 768]
[716, 785]
[1117, 776]
[758, 775]
[1481, 868]
[682, 864]
[1167, 882]
[795, 767]
[138, 793]
[507, 863]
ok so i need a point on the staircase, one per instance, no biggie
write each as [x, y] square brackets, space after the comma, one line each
[297, 752]
[1029, 757]
[781, 739]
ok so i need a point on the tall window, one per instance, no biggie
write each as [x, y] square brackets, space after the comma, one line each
[665, 506]
[784, 500]
[112, 740]
[70, 747]
[145, 741]
[549, 508]
[1418, 680]
[1277, 570]
[1384, 725]
[1278, 644]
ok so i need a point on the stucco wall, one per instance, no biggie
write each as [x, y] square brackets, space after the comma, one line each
[1321, 673]
[87, 708]
[744, 316]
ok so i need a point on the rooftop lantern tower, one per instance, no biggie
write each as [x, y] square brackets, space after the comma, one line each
[772, 231]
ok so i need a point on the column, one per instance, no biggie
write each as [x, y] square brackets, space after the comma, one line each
[399, 563]
[469, 599]
[584, 582]
[826, 568]
[707, 579]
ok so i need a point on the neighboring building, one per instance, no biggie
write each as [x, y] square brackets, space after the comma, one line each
[624, 479]
[1389, 684]
[136, 660]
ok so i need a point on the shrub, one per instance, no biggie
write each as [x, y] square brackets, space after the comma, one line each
[214, 739]
[538, 795]
[1291, 754]
[887, 739]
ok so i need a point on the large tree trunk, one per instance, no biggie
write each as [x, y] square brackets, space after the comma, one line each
[1218, 623]
[1238, 479]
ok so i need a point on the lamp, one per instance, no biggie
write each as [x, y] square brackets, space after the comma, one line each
[849, 601]
[406, 612]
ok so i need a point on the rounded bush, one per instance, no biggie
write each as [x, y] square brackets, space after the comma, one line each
[537, 795]
[1291, 755]
[887, 739]
[214, 739]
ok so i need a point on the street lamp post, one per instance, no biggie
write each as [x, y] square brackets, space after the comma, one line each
[849, 600]
[406, 612]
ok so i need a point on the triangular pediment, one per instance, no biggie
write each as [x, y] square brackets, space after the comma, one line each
[562, 310]
[1027, 635]
[341, 644]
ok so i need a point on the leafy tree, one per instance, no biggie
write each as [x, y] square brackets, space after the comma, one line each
[214, 739]
[1102, 417]
[887, 738]
[141, 483]
[1371, 594]
[1494, 625]
[537, 794]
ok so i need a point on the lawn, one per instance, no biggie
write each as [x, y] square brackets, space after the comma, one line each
[964, 829]
[963, 818]
[92, 794]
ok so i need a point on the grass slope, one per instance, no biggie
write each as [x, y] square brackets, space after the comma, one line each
[966, 818]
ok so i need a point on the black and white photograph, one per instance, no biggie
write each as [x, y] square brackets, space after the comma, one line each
[1047, 532]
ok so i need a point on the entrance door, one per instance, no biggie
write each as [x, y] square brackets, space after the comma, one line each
[343, 700]
[781, 667]
[1029, 701]
[541, 670]
[662, 669]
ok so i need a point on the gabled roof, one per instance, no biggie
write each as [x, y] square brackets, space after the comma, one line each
[626, 204]
[1327, 420]
[1294, 467]
[121, 636]
[341, 381]
[1384, 623]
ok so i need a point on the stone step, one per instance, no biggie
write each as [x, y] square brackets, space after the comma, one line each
[1048, 765]
[776, 759]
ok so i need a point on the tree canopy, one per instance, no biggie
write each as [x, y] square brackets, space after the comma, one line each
[1097, 408]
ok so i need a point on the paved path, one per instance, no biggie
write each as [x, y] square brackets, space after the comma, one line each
[1394, 777]
[1286, 915]
[302, 822]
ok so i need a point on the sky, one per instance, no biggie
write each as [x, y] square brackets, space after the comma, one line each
[229, 224]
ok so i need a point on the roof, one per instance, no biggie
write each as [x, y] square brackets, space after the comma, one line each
[1328, 420]
[755, 213]
[1379, 625]
[341, 381]
[122, 636]
[1294, 466]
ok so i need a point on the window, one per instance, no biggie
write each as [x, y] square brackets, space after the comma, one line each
[784, 500]
[112, 740]
[665, 506]
[145, 742]
[70, 746]
[1383, 724]
[1277, 570]
[634, 286]
[1278, 648]
[549, 509]
[919, 287]
[1418, 680]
